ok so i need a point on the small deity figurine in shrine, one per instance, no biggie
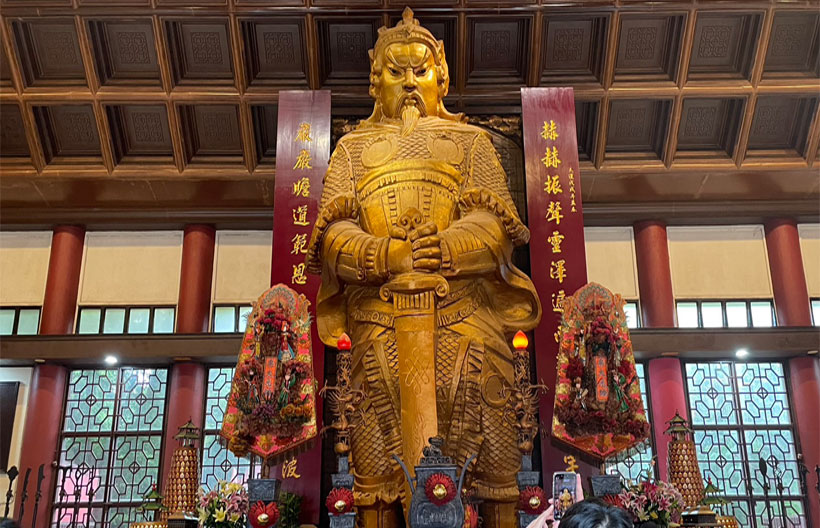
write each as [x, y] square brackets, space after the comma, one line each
[413, 241]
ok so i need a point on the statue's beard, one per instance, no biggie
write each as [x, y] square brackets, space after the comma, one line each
[412, 109]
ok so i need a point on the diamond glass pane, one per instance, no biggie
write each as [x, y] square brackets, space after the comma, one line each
[762, 314]
[114, 322]
[779, 514]
[736, 315]
[776, 447]
[7, 321]
[138, 319]
[687, 315]
[164, 321]
[90, 401]
[224, 319]
[220, 464]
[762, 392]
[219, 386]
[84, 468]
[28, 321]
[135, 467]
[720, 456]
[89, 321]
[711, 397]
[142, 401]
[712, 314]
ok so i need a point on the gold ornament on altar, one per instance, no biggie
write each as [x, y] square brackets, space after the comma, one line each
[414, 241]
[183, 478]
[684, 471]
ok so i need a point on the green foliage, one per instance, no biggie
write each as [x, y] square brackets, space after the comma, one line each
[290, 506]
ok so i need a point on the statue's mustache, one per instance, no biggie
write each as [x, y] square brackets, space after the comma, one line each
[415, 99]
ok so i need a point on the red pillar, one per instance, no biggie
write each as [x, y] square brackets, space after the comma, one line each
[44, 416]
[62, 284]
[791, 299]
[658, 311]
[804, 373]
[668, 397]
[187, 384]
[654, 275]
[194, 307]
[791, 295]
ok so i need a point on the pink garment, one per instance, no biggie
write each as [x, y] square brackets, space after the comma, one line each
[543, 520]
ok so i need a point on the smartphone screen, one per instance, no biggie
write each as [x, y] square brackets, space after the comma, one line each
[563, 492]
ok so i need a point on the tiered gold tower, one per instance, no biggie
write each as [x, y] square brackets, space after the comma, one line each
[183, 478]
[684, 472]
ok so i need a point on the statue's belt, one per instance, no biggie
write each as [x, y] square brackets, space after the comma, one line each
[456, 307]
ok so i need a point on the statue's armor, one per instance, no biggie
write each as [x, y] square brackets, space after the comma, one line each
[445, 170]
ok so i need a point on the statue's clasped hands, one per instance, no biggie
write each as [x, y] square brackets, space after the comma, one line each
[415, 245]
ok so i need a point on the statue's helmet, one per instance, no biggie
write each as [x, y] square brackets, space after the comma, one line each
[407, 30]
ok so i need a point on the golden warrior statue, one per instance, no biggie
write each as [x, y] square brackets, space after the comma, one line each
[414, 239]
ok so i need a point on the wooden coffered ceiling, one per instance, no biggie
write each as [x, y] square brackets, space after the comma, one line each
[167, 104]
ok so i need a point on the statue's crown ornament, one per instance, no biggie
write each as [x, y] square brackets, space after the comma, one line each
[408, 29]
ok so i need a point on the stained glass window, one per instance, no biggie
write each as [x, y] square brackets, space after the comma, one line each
[634, 464]
[217, 462]
[110, 449]
[741, 416]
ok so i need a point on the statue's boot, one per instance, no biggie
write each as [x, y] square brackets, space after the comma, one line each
[497, 514]
[380, 515]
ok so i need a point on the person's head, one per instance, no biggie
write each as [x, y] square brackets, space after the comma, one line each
[594, 513]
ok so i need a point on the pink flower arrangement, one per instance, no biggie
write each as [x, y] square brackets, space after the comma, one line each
[223, 507]
[657, 501]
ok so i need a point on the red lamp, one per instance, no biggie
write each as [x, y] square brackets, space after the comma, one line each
[344, 342]
[520, 341]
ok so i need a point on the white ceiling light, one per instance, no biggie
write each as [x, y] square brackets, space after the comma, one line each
[111, 360]
[742, 353]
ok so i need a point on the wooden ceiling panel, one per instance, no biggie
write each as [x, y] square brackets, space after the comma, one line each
[13, 143]
[275, 52]
[140, 133]
[124, 51]
[5, 69]
[344, 43]
[573, 49]
[49, 52]
[780, 125]
[709, 127]
[637, 128]
[68, 133]
[724, 45]
[211, 133]
[444, 28]
[586, 128]
[264, 126]
[200, 50]
[648, 47]
[498, 48]
[793, 45]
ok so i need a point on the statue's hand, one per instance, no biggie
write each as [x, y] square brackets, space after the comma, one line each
[426, 245]
[399, 256]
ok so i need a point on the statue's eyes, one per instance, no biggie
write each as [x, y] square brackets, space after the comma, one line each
[422, 71]
[394, 71]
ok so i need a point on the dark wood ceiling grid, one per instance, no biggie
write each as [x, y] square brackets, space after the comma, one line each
[156, 90]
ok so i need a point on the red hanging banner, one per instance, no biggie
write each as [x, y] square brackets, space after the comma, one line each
[302, 154]
[556, 223]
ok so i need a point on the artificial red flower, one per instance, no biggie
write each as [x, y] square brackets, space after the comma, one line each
[339, 501]
[263, 515]
[440, 489]
[532, 500]
[575, 368]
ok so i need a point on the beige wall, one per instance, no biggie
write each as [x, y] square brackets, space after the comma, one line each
[241, 266]
[810, 247]
[610, 253]
[131, 267]
[24, 267]
[23, 375]
[719, 262]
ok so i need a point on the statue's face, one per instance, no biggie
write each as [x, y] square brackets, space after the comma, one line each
[408, 78]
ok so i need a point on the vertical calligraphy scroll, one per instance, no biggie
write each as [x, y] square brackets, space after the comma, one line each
[302, 154]
[556, 225]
